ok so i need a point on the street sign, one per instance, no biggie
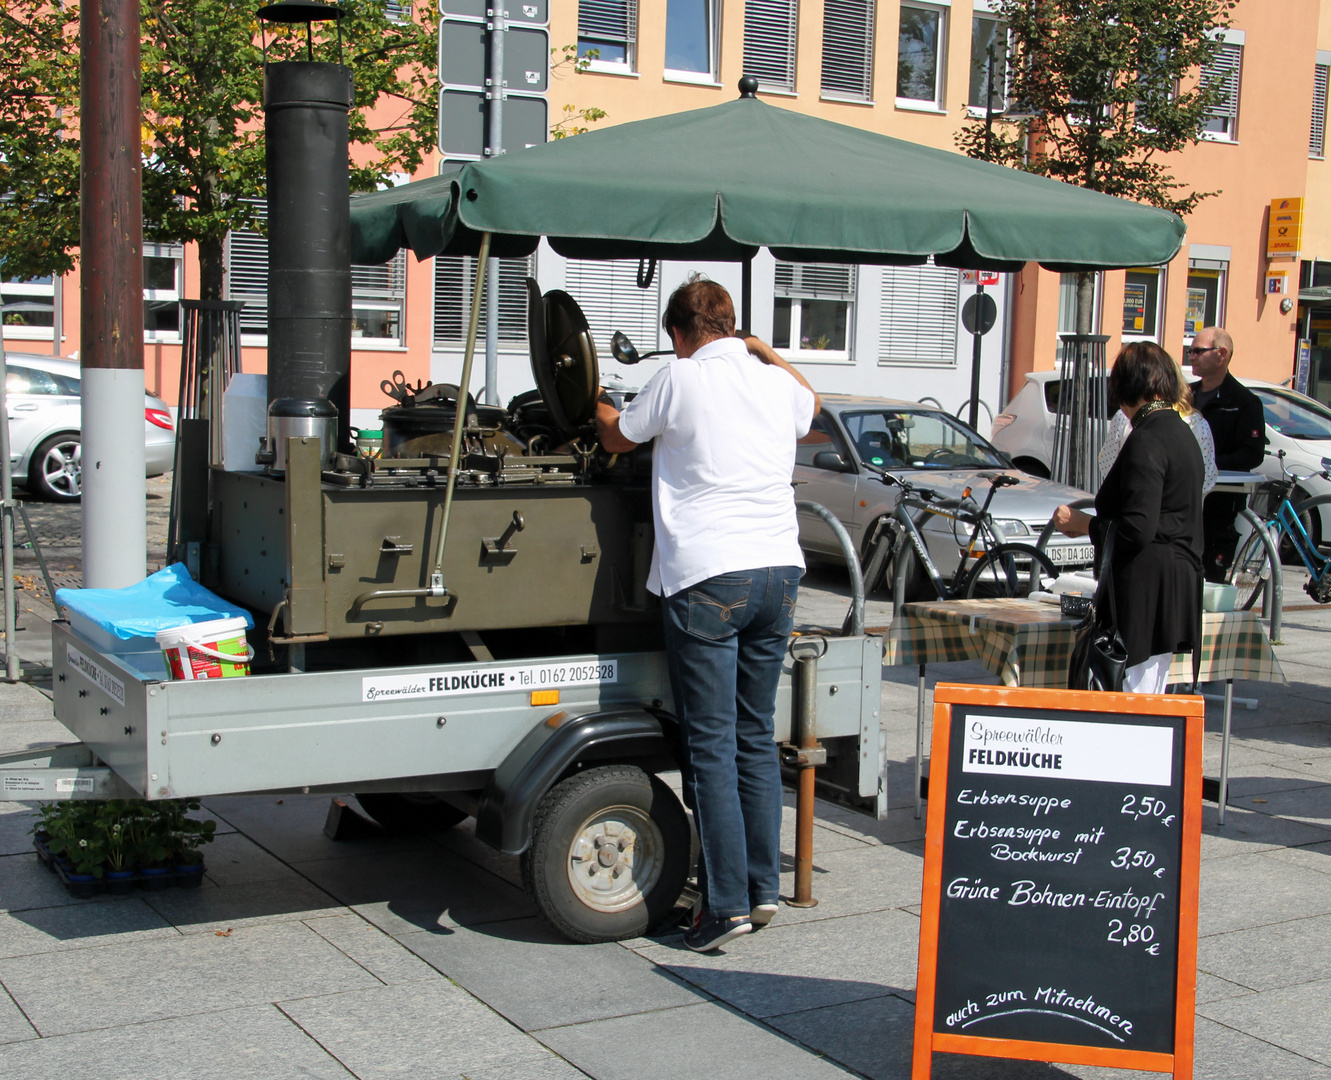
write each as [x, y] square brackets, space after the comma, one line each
[462, 122]
[464, 56]
[979, 277]
[527, 12]
[979, 313]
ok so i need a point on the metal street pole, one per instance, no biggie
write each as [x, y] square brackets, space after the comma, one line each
[115, 540]
[977, 340]
[495, 147]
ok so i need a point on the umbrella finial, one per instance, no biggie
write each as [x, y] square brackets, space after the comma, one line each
[748, 87]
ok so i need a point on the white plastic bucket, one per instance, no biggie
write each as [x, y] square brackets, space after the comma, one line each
[206, 650]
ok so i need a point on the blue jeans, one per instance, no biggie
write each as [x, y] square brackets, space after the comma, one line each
[725, 641]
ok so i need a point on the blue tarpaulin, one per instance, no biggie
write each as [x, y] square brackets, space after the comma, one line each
[164, 600]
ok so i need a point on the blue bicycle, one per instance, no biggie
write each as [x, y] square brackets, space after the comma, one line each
[1284, 521]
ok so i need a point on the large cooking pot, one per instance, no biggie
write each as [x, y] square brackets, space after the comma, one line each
[423, 427]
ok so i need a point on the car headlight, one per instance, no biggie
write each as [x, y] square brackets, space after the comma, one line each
[1002, 420]
[1012, 527]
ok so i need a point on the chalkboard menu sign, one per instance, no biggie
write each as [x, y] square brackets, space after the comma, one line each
[1059, 918]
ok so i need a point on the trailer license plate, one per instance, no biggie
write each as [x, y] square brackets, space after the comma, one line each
[506, 678]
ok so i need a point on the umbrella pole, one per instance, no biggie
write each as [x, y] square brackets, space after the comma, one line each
[746, 295]
[460, 416]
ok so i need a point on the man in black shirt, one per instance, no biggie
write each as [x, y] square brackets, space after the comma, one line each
[1238, 427]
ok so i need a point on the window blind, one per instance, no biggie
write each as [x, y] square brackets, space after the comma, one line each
[1224, 70]
[608, 293]
[770, 29]
[917, 316]
[608, 20]
[815, 281]
[1317, 135]
[454, 279]
[848, 27]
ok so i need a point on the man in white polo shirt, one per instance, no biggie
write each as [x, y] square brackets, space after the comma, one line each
[727, 565]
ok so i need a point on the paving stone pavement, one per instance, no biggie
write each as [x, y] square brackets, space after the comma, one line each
[390, 956]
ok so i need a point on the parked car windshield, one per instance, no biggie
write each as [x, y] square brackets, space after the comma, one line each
[1293, 417]
[924, 439]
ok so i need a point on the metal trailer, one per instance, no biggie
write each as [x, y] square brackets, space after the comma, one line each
[558, 757]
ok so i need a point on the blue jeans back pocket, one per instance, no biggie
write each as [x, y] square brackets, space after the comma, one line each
[714, 612]
[785, 620]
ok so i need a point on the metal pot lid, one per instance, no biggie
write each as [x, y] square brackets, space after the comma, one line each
[563, 357]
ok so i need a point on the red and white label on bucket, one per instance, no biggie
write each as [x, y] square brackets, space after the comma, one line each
[95, 673]
[490, 680]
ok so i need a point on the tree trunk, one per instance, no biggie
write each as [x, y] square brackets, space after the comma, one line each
[210, 269]
[1086, 302]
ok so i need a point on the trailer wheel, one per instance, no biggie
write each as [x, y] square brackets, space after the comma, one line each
[410, 811]
[609, 854]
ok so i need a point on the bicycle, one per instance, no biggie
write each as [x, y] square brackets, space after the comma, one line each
[1002, 568]
[1283, 521]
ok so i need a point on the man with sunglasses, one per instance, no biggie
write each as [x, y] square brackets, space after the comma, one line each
[1238, 428]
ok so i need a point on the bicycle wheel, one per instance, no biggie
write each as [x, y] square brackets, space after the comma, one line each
[1007, 570]
[1251, 571]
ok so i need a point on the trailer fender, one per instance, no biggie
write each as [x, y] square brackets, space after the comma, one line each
[504, 815]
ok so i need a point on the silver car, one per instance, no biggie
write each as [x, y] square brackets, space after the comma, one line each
[46, 421]
[855, 440]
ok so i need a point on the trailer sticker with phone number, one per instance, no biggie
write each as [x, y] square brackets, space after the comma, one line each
[491, 680]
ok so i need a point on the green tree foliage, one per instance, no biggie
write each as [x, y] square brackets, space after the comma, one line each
[203, 146]
[1115, 86]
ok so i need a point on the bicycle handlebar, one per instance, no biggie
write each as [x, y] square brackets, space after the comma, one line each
[1279, 455]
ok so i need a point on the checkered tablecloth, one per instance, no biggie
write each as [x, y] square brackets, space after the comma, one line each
[1027, 643]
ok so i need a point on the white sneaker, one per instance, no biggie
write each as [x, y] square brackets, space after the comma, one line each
[761, 915]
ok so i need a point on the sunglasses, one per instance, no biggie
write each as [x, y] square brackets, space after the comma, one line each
[1198, 352]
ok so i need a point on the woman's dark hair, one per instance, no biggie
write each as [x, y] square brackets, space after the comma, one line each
[700, 310]
[1143, 372]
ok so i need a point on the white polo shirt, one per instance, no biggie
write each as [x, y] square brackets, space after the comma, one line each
[725, 426]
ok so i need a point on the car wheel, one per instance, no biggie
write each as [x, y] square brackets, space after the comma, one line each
[609, 854]
[55, 470]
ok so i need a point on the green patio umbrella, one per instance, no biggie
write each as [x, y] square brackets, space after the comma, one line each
[718, 183]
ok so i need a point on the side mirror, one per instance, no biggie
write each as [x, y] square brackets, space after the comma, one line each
[622, 349]
[832, 462]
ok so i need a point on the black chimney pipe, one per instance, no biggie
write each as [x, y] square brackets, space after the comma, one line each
[309, 252]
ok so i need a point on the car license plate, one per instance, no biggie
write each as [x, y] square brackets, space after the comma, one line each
[1071, 554]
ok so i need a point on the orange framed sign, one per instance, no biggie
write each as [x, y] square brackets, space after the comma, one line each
[1059, 912]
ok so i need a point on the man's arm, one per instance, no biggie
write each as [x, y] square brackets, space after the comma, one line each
[607, 426]
[767, 355]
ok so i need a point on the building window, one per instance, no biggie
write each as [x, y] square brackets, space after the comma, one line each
[1067, 303]
[1317, 135]
[454, 280]
[247, 278]
[848, 27]
[691, 53]
[607, 291]
[163, 282]
[378, 304]
[812, 312]
[398, 11]
[1224, 70]
[921, 56]
[32, 318]
[1206, 295]
[918, 314]
[770, 28]
[1143, 307]
[610, 28]
[988, 45]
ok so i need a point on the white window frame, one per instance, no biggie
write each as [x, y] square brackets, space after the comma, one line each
[771, 39]
[607, 291]
[1228, 65]
[712, 76]
[1067, 303]
[453, 280]
[804, 285]
[34, 291]
[1161, 290]
[176, 253]
[941, 8]
[612, 21]
[380, 288]
[980, 108]
[1317, 129]
[918, 314]
[848, 30]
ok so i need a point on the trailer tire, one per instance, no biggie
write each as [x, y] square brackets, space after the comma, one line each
[410, 811]
[609, 854]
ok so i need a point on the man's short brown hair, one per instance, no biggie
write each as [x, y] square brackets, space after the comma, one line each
[700, 311]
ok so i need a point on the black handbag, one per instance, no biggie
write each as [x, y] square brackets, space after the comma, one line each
[1099, 657]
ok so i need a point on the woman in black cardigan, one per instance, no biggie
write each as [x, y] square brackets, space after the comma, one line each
[1154, 493]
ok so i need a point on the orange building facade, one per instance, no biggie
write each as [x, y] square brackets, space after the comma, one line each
[905, 68]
